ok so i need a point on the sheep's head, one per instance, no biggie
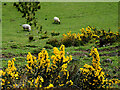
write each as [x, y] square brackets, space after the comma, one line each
[29, 29]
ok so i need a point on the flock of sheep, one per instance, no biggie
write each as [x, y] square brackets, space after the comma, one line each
[28, 27]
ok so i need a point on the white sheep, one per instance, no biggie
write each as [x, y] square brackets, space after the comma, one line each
[56, 20]
[26, 26]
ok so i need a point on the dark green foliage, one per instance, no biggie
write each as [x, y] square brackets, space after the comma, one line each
[54, 42]
[30, 38]
[47, 46]
[28, 9]
[55, 33]
[44, 36]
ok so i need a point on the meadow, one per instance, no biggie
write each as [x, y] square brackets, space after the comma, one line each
[73, 16]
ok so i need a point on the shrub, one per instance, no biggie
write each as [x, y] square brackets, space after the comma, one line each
[54, 33]
[89, 34]
[92, 76]
[30, 38]
[44, 36]
[54, 42]
[108, 37]
[45, 72]
[39, 72]
[28, 9]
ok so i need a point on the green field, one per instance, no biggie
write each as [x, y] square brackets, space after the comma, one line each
[73, 16]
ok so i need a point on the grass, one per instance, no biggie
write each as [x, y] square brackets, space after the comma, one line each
[73, 16]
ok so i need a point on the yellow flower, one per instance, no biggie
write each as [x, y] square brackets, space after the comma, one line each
[42, 80]
[69, 82]
[47, 60]
[8, 88]
[16, 75]
[61, 85]
[50, 86]
[62, 47]
[23, 85]
[36, 86]
[3, 73]
[14, 59]
[67, 74]
[3, 80]
[40, 86]
[9, 62]
[37, 80]
[56, 51]
[81, 69]
[14, 85]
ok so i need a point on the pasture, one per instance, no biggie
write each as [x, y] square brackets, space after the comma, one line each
[73, 16]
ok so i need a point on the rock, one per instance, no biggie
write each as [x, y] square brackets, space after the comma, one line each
[103, 45]
[107, 60]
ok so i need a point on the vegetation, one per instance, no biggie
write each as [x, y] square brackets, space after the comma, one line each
[16, 43]
[28, 9]
[100, 37]
[43, 72]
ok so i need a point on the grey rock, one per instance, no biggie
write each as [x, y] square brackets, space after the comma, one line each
[107, 60]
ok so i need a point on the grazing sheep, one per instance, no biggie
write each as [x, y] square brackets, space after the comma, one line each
[56, 20]
[26, 26]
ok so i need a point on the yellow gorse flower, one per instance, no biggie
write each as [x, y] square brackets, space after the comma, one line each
[50, 86]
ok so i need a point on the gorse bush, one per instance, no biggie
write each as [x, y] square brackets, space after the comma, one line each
[92, 76]
[89, 34]
[39, 72]
[54, 42]
[45, 72]
[109, 37]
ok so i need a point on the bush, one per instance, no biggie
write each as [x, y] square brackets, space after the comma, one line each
[30, 38]
[89, 34]
[45, 72]
[39, 72]
[55, 33]
[92, 76]
[44, 36]
[54, 42]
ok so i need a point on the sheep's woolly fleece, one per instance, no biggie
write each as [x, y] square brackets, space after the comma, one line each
[26, 26]
[56, 19]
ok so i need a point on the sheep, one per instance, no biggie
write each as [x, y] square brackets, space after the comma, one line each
[56, 20]
[26, 26]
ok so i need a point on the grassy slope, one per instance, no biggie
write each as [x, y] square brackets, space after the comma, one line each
[0, 34]
[73, 16]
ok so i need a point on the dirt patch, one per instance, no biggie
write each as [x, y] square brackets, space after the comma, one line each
[32, 46]
[109, 54]
[10, 55]
[109, 49]
[79, 54]
[85, 51]
[99, 50]
[3, 48]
